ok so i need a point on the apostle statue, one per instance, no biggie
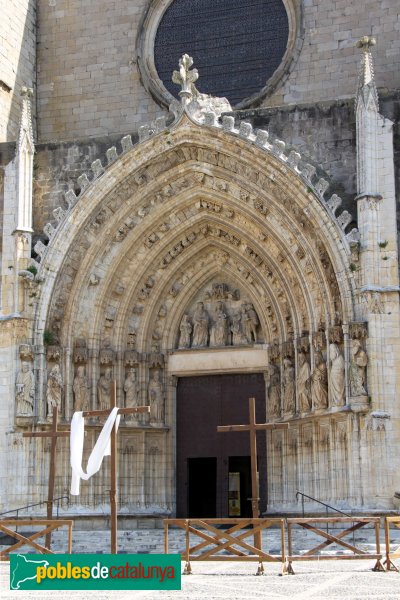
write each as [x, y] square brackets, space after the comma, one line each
[200, 327]
[319, 383]
[185, 329]
[274, 391]
[156, 399]
[303, 383]
[359, 360]
[131, 390]
[337, 379]
[25, 391]
[104, 389]
[219, 331]
[81, 390]
[289, 391]
[54, 391]
[236, 329]
[249, 321]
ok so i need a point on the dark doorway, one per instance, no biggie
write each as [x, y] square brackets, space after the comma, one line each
[206, 459]
[202, 487]
[239, 488]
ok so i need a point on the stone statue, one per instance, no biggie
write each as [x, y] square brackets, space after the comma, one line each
[25, 391]
[236, 329]
[156, 399]
[104, 389]
[319, 383]
[303, 383]
[81, 390]
[274, 391]
[289, 392]
[186, 330]
[131, 390]
[337, 379]
[54, 391]
[249, 321]
[219, 331]
[359, 360]
[200, 327]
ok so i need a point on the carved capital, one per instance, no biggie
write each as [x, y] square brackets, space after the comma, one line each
[26, 352]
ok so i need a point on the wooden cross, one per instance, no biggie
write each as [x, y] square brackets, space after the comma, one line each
[54, 434]
[253, 427]
[113, 490]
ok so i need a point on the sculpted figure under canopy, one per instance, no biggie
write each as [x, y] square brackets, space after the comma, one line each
[319, 383]
[303, 383]
[274, 391]
[185, 332]
[200, 327]
[54, 391]
[249, 321]
[359, 361]
[81, 390]
[238, 336]
[131, 390]
[156, 399]
[25, 391]
[104, 389]
[337, 379]
[289, 391]
[219, 331]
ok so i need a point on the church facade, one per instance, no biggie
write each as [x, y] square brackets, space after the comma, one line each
[200, 250]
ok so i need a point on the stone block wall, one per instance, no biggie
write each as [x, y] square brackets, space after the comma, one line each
[89, 84]
[327, 66]
[17, 61]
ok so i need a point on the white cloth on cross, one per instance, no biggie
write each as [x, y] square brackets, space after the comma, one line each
[101, 449]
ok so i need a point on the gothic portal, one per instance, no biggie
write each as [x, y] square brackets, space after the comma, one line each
[200, 263]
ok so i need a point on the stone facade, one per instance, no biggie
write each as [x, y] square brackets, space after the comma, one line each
[98, 46]
[202, 243]
[18, 60]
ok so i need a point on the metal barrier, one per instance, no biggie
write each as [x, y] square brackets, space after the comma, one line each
[49, 526]
[390, 566]
[230, 541]
[314, 553]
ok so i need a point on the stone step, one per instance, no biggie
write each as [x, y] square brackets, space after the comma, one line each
[151, 541]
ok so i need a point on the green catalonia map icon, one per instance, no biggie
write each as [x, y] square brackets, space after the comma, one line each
[23, 569]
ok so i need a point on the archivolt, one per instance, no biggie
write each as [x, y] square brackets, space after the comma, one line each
[157, 212]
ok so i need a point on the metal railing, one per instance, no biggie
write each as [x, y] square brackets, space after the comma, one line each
[21, 508]
[327, 506]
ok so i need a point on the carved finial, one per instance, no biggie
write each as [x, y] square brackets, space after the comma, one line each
[25, 130]
[185, 78]
[25, 151]
[366, 86]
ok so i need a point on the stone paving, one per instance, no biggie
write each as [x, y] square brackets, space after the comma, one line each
[333, 579]
[344, 580]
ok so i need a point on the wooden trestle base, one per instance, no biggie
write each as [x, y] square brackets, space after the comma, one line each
[389, 564]
[29, 540]
[231, 540]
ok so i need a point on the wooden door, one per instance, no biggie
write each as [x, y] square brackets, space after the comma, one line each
[203, 403]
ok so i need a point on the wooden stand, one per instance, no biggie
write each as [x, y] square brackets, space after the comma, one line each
[54, 434]
[114, 454]
[253, 427]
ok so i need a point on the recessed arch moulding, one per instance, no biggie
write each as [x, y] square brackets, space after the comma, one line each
[194, 213]
[187, 209]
